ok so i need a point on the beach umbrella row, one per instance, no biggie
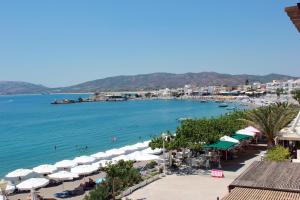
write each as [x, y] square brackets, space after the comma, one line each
[156, 151]
[33, 183]
[114, 154]
[45, 169]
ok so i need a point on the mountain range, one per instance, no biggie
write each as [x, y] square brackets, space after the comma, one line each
[142, 82]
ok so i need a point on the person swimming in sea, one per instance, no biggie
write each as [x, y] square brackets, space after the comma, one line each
[114, 139]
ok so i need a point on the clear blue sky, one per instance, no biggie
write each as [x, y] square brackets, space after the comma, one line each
[60, 43]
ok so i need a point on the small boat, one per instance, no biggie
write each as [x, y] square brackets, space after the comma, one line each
[223, 105]
[203, 101]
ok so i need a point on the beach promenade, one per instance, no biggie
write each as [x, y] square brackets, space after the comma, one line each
[178, 185]
[201, 186]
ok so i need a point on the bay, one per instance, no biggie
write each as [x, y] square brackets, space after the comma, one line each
[34, 132]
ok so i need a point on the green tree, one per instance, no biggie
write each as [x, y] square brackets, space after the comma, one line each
[278, 153]
[271, 119]
[279, 91]
[118, 177]
[194, 133]
[296, 95]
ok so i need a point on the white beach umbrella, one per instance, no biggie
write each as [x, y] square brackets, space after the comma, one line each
[129, 148]
[65, 164]
[152, 151]
[139, 156]
[99, 155]
[121, 157]
[63, 176]
[252, 129]
[10, 188]
[146, 143]
[245, 132]
[229, 139]
[114, 152]
[33, 183]
[19, 173]
[140, 145]
[84, 169]
[45, 169]
[103, 163]
[84, 159]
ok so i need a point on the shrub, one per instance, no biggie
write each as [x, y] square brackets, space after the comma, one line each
[118, 177]
[278, 153]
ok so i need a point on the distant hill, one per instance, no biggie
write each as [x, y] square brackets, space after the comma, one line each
[143, 81]
[17, 87]
[163, 80]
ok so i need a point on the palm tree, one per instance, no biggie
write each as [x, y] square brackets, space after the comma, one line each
[271, 119]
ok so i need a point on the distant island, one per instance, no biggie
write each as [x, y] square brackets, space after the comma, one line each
[141, 82]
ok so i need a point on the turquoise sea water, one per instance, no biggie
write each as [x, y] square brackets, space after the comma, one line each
[30, 127]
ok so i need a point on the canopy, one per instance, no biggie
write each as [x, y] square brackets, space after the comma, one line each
[114, 152]
[45, 169]
[63, 175]
[245, 132]
[140, 145]
[84, 159]
[241, 137]
[121, 157]
[65, 164]
[129, 148]
[84, 169]
[10, 189]
[229, 139]
[152, 151]
[33, 183]
[140, 156]
[221, 145]
[99, 155]
[19, 173]
[252, 129]
[104, 163]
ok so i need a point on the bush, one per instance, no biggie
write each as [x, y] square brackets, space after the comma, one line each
[150, 165]
[118, 177]
[278, 153]
[194, 133]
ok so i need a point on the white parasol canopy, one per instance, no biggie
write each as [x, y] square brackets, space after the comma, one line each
[245, 132]
[129, 148]
[45, 169]
[121, 157]
[33, 183]
[229, 139]
[252, 129]
[114, 152]
[63, 176]
[140, 156]
[152, 151]
[84, 169]
[140, 145]
[19, 173]
[10, 188]
[84, 159]
[65, 164]
[103, 163]
[99, 155]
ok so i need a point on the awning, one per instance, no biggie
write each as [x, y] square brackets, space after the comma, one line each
[241, 137]
[221, 145]
[258, 194]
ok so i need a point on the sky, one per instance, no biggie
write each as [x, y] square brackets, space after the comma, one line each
[61, 43]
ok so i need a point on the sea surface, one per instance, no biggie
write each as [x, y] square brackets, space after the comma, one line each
[31, 128]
